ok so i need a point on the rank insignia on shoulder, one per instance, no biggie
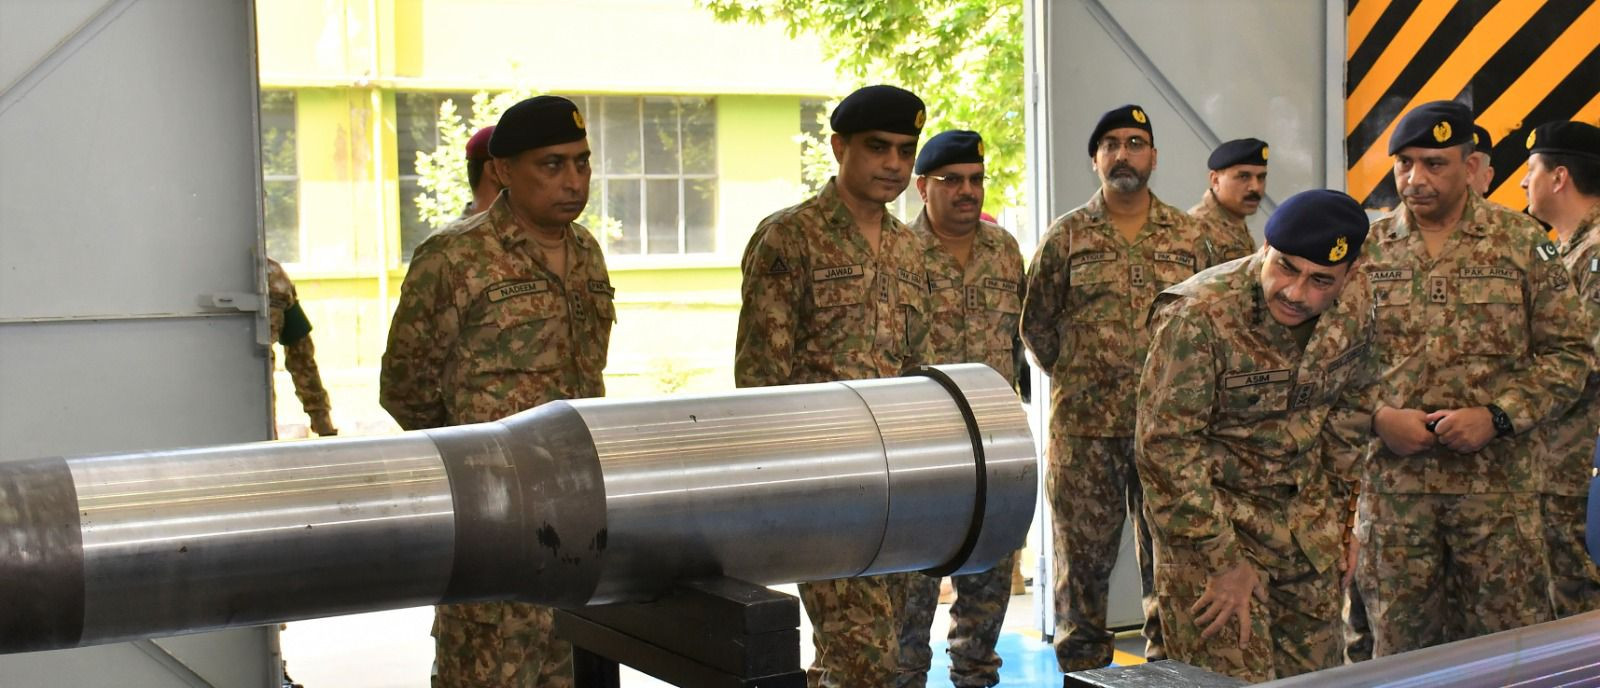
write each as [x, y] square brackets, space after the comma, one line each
[1547, 251]
[778, 267]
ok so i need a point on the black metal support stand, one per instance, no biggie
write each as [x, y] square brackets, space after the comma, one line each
[715, 633]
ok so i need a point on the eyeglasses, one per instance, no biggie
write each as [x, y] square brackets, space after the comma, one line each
[1134, 145]
[954, 181]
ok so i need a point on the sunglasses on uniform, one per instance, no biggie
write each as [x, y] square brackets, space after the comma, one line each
[1134, 145]
[954, 181]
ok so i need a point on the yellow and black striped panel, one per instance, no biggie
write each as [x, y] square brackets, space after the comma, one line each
[1518, 63]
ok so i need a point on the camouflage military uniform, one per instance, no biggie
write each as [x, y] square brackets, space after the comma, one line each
[1451, 543]
[483, 330]
[1088, 298]
[299, 354]
[819, 305]
[1569, 446]
[1248, 445]
[1228, 234]
[973, 314]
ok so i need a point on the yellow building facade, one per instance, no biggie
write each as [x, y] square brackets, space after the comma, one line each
[694, 125]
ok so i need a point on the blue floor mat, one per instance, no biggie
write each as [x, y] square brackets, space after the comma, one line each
[1026, 662]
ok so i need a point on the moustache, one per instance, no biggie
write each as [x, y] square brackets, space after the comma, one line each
[1296, 305]
[1123, 168]
[1252, 197]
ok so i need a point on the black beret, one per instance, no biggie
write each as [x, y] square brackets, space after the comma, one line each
[949, 148]
[1120, 118]
[1566, 138]
[1238, 152]
[535, 123]
[1323, 226]
[879, 108]
[1481, 141]
[1439, 124]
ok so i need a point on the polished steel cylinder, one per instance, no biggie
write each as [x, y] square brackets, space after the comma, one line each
[1558, 653]
[569, 504]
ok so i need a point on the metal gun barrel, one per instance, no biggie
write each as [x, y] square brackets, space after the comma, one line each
[568, 504]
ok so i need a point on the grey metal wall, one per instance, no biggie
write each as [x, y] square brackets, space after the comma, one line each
[1206, 71]
[129, 277]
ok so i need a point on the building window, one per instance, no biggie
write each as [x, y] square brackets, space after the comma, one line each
[654, 187]
[280, 176]
[417, 131]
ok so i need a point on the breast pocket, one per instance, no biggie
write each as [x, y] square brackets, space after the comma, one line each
[837, 307]
[1002, 312]
[1392, 304]
[1093, 294]
[1168, 273]
[593, 351]
[913, 303]
[1253, 393]
[1491, 321]
[526, 331]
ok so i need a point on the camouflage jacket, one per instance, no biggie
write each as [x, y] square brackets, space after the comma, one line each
[1248, 445]
[299, 354]
[1492, 320]
[1569, 442]
[819, 305]
[484, 329]
[1229, 235]
[1088, 302]
[973, 314]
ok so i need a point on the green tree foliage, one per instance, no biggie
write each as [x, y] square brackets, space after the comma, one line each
[442, 174]
[963, 57]
[816, 154]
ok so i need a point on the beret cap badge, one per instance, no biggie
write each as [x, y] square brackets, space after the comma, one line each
[1264, 152]
[577, 118]
[1532, 136]
[1340, 248]
[1138, 116]
[1441, 132]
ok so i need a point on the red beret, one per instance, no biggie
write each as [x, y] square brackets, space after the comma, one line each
[478, 145]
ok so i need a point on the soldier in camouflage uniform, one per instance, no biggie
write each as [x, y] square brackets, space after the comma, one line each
[1563, 185]
[1482, 149]
[975, 303]
[1254, 409]
[834, 289]
[1088, 297]
[501, 312]
[1237, 182]
[481, 176]
[291, 328]
[1480, 340]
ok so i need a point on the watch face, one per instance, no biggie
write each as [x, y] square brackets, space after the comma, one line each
[1502, 422]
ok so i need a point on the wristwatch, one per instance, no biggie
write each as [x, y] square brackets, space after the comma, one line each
[1502, 422]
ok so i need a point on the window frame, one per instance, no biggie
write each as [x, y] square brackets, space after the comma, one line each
[406, 170]
[602, 177]
[268, 179]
